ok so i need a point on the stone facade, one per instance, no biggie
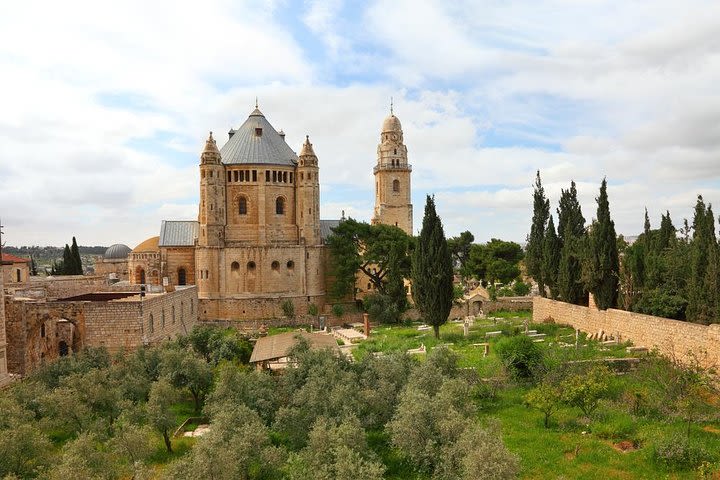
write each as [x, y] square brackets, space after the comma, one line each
[112, 268]
[43, 330]
[682, 340]
[14, 269]
[3, 338]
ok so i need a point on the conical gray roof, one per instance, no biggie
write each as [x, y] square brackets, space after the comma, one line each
[257, 142]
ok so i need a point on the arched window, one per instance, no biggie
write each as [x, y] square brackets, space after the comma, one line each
[19, 275]
[182, 277]
[234, 266]
[63, 348]
[42, 330]
[275, 265]
[162, 319]
[242, 206]
[251, 266]
[280, 206]
[151, 326]
[396, 185]
[395, 151]
[290, 264]
[141, 275]
[173, 314]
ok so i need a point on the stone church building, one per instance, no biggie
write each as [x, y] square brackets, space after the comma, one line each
[259, 241]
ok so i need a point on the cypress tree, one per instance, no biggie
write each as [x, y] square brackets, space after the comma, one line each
[571, 230]
[432, 271]
[603, 255]
[77, 261]
[67, 262]
[698, 263]
[703, 259]
[551, 258]
[534, 251]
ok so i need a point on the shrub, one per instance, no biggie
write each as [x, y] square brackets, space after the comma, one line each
[313, 310]
[520, 354]
[521, 289]
[585, 390]
[288, 308]
[545, 397]
[381, 308]
[677, 451]
[338, 310]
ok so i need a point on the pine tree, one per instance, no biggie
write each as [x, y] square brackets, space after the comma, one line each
[603, 255]
[77, 261]
[571, 230]
[551, 258]
[432, 271]
[534, 250]
[33, 266]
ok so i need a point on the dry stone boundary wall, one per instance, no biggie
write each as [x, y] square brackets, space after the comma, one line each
[683, 340]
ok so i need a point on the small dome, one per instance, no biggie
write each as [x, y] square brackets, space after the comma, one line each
[392, 124]
[117, 252]
[149, 245]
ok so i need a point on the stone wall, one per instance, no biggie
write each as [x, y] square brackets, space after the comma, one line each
[475, 306]
[682, 340]
[38, 328]
[3, 339]
[12, 271]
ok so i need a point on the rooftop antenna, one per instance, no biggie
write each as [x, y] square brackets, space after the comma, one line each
[256, 102]
[391, 105]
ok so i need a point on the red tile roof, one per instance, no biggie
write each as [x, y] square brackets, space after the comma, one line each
[6, 257]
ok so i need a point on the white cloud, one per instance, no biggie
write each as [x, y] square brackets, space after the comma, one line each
[487, 93]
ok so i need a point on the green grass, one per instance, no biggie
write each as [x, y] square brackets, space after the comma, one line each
[573, 447]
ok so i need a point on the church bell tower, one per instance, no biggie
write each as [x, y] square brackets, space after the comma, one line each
[393, 204]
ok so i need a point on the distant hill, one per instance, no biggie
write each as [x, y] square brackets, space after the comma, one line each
[44, 256]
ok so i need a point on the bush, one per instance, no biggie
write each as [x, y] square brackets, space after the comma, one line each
[313, 310]
[520, 354]
[678, 452]
[288, 308]
[585, 390]
[338, 310]
[381, 308]
[521, 289]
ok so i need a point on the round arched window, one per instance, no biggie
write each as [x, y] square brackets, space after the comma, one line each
[251, 265]
[235, 266]
[275, 265]
[280, 206]
[242, 206]
[396, 185]
[290, 264]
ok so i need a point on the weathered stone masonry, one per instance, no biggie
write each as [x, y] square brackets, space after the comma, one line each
[43, 330]
[683, 340]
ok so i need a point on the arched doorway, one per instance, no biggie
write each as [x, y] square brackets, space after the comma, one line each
[19, 275]
[63, 349]
[182, 280]
[140, 275]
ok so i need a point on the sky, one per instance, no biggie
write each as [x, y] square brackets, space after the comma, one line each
[105, 106]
